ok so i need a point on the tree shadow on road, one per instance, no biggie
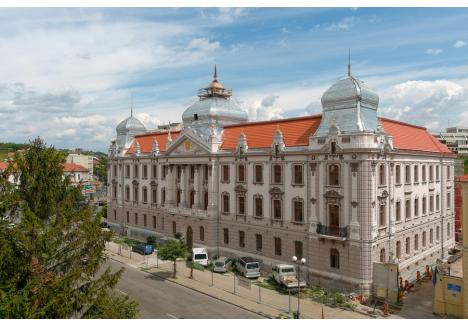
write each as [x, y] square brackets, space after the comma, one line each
[159, 276]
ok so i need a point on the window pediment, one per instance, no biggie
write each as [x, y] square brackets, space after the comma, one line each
[240, 189]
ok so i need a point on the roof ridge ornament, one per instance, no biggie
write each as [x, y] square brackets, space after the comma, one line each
[214, 89]
[155, 147]
[349, 62]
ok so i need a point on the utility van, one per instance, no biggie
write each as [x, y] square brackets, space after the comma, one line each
[248, 267]
[200, 256]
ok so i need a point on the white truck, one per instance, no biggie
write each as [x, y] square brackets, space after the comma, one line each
[286, 276]
[200, 256]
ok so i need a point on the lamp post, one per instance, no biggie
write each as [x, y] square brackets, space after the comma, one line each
[299, 263]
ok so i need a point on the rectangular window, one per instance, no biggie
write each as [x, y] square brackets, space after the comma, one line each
[437, 173]
[431, 236]
[416, 207]
[382, 175]
[226, 235]
[408, 246]
[164, 172]
[136, 218]
[298, 175]
[145, 195]
[416, 174]
[145, 171]
[115, 170]
[241, 173]
[424, 239]
[115, 215]
[226, 203]
[437, 202]
[382, 217]
[241, 239]
[448, 172]
[277, 174]
[277, 209]
[135, 171]
[431, 173]
[449, 200]
[298, 211]
[407, 174]
[154, 222]
[431, 204]
[241, 205]
[225, 173]
[398, 249]
[424, 205]
[258, 173]
[398, 174]
[163, 196]
[154, 196]
[416, 242]
[128, 217]
[258, 206]
[277, 246]
[398, 210]
[144, 219]
[298, 249]
[423, 173]
[154, 171]
[408, 209]
[127, 171]
[258, 242]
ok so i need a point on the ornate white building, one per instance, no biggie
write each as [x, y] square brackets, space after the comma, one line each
[343, 189]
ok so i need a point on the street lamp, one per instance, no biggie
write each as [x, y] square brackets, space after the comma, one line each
[299, 263]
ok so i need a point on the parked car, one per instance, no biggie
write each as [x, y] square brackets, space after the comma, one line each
[248, 267]
[222, 265]
[286, 276]
[200, 256]
[143, 249]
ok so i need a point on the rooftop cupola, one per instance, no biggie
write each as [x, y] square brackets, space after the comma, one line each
[352, 103]
[215, 105]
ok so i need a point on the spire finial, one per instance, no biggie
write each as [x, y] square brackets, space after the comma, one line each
[349, 61]
[131, 105]
[215, 75]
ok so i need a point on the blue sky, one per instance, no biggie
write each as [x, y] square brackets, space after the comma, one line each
[68, 75]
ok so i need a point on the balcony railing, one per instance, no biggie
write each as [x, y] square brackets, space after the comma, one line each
[333, 231]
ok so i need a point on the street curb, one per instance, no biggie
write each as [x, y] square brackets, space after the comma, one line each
[196, 290]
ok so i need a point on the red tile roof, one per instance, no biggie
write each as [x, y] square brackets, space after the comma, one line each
[462, 178]
[414, 138]
[72, 167]
[3, 166]
[296, 132]
[146, 141]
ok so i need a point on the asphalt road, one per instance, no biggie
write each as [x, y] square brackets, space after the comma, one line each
[162, 299]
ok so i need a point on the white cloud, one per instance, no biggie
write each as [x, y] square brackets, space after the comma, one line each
[434, 51]
[433, 104]
[203, 44]
[344, 24]
[264, 109]
[149, 121]
[459, 44]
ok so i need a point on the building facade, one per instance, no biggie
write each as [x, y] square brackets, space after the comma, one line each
[84, 160]
[456, 139]
[343, 189]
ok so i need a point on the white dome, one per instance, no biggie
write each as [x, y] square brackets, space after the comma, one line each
[130, 124]
[347, 90]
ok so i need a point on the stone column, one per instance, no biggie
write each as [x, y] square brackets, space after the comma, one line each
[171, 185]
[213, 188]
[183, 186]
[313, 197]
[196, 187]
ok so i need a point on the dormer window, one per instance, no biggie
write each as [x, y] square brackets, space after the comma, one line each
[333, 147]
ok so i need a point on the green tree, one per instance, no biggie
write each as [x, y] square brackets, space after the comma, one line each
[172, 250]
[51, 258]
[101, 169]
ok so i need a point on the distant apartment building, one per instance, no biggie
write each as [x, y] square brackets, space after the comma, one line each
[343, 189]
[83, 160]
[456, 139]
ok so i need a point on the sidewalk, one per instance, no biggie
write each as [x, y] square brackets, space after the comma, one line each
[266, 302]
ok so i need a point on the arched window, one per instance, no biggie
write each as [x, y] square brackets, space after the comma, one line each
[135, 193]
[334, 258]
[174, 227]
[202, 233]
[382, 255]
[398, 249]
[333, 175]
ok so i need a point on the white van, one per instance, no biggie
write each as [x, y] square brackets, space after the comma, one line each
[200, 256]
